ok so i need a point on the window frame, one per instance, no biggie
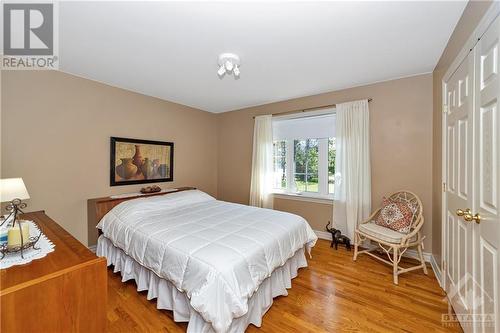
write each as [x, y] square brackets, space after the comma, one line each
[290, 188]
[323, 194]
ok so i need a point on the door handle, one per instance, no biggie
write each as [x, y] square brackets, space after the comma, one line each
[461, 212]
[470, 218]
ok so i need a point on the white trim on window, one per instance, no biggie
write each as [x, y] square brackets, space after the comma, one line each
[323, 186]
[309, 197]
[290, 167]
[322, 146]
[323, 166]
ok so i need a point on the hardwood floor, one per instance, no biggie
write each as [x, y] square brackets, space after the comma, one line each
[333, 294]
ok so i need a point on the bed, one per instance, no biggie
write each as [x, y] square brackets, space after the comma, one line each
[215, 264]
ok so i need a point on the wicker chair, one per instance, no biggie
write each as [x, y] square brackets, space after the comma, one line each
[392, 242]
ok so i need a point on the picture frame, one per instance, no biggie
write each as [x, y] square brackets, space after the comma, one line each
[136, 161]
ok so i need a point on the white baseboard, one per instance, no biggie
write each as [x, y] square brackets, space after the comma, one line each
[323, 235]
[93, 248]
[410, 253]
[437, 270]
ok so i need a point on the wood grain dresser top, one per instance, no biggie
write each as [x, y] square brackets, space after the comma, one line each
[69, 254]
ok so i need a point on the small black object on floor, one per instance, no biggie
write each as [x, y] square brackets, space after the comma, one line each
[338, 238]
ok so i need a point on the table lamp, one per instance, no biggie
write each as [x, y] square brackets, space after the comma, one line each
[13, 191]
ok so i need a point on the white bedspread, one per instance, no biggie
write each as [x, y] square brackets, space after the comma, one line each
[218, 253]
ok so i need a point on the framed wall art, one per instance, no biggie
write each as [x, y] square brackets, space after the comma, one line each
[136, 161]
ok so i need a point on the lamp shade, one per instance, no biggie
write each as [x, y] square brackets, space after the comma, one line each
[13, 188]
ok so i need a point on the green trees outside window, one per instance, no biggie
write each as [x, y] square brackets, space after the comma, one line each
[306, 157]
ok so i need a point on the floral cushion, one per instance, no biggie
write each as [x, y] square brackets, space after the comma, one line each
[396, 215]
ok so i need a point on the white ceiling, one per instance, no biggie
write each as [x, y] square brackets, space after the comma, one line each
[169, 49]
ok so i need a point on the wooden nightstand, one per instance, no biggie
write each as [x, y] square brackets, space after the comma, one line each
[66, 291]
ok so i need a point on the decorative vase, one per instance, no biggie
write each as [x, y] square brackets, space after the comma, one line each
[137, 158]
[156, 165]
[126, 169]
[162, 170]
[147, 169]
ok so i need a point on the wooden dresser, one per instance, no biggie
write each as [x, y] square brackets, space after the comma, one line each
[66, 291]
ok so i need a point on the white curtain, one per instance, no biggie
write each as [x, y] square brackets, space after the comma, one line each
[352, 195]
[262, 163]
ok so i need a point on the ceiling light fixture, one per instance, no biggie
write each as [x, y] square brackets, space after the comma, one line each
[229, 63]
[221, 71]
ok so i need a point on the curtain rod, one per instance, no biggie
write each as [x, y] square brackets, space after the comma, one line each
[308, 109]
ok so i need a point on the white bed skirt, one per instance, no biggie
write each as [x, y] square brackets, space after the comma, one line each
[170, 298]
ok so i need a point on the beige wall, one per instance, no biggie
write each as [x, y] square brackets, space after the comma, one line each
[401, 145]
[473, 13]
[317, 214]
[58, 141]
[55, 131]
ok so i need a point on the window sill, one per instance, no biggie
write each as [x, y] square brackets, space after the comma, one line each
[304, 197]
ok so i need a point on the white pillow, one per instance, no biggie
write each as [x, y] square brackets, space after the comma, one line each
[158, 203]
[185, 198]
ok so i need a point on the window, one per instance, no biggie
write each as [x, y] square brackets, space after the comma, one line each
[305, 158]
[304, 155]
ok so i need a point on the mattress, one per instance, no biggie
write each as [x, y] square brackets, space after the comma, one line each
[217, 253]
